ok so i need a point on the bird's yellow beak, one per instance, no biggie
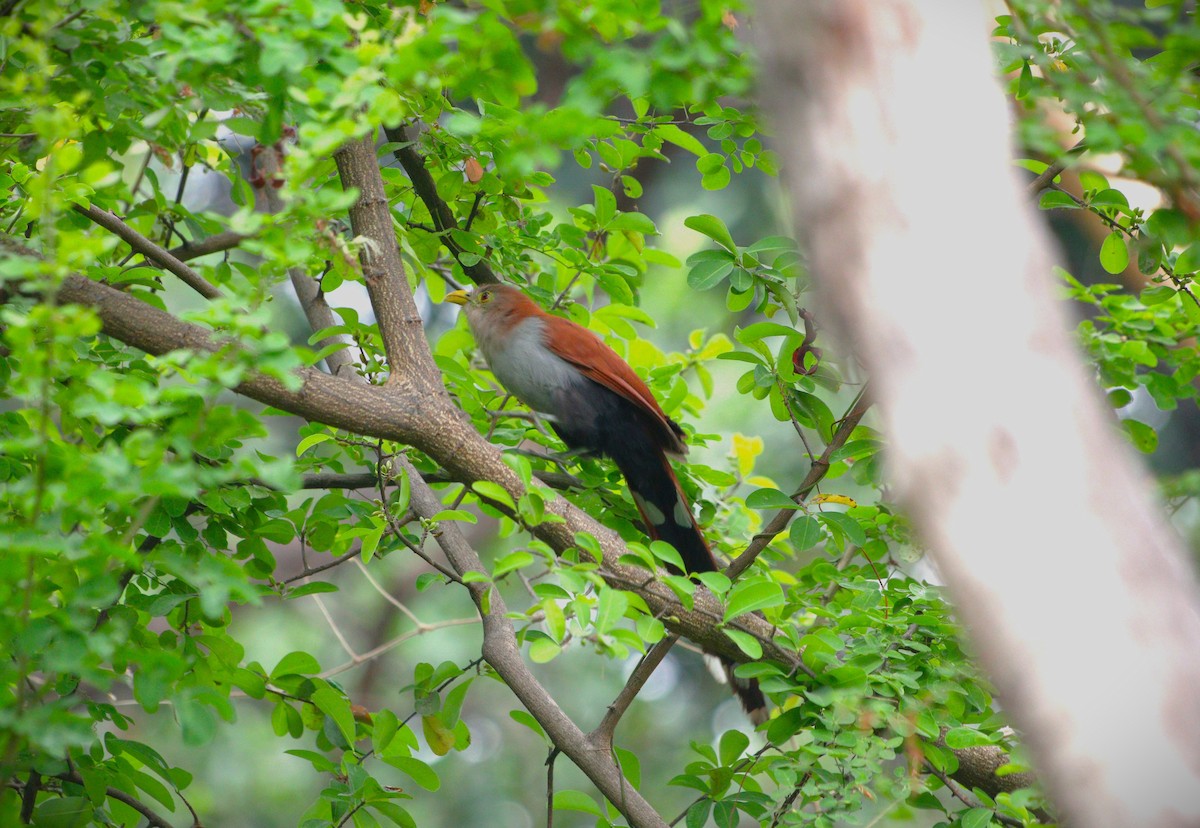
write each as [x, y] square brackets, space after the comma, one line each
[458, 297]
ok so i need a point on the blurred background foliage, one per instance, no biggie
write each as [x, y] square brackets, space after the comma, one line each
[172, 621]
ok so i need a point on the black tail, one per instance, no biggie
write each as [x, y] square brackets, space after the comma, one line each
[665, 510]
[668, 517]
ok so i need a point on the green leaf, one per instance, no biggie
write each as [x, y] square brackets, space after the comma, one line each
[709, 273]
[337, 707]
[1157, 295]
[569, 800]
[64, 812]
[666, 553]
[751, 595]
[805, 533]
[1188, 261]
[710, 162]
[747, 643]
[312, 440]
[543, 650]
[716, 180]
[1114, 253]
[976, 818]
[494, 492]
[717, 582]
[296, 663]
[712, 227]
[452, 706]
[732, 745]
[849, 526]
[769, 499]
[606, 205]
[681, 139]
[314, 588]
[965, 737]
[761, 330]
[1054, 199]
[398, 815]
[697, 814]
[523, 717]
[384, 726]
[636, 222]
[512, 561]
[610, 609]
[1144, 438]
[420, 772]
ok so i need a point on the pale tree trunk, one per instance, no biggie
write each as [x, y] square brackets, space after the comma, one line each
[1077, 597]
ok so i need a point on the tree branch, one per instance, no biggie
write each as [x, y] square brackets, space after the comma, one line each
[216, 243]
[366, 480]
[443, 217]
[427, 420]
[603, 733]
[140, 244]
[504, 655]
[320, 316]
[815, 475]
[152, 818]
[383, 270]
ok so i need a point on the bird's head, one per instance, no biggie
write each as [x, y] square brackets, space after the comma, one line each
[494, 306]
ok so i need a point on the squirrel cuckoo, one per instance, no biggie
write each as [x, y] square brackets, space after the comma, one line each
[596, 403]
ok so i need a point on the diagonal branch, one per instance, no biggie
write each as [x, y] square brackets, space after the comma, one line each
[443, 217]
[152, 251]
[603, 734]
[503, 654]
[815, 474]
[429, 421]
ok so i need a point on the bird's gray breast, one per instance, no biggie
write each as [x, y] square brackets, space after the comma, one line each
[529, 369]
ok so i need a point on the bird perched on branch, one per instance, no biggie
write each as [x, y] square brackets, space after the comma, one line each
[596, 403]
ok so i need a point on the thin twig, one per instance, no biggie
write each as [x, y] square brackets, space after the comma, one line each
[152, 818]
[966, 797]
[637, 679]
[1057, 168]
[216, 243]
[550, 786]
[815, 474]
[388, 646]
[330, 564]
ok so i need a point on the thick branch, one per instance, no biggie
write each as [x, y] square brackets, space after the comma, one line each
[430, 422]
[383, 270]
[1000, 448]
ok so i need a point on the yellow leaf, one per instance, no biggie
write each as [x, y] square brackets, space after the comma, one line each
[745, 449]
[834, 498]
[439, 738]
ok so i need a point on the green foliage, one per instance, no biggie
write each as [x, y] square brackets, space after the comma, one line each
[145, 510]
[1138, 62]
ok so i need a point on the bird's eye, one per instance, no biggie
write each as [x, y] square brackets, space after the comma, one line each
[485, 296]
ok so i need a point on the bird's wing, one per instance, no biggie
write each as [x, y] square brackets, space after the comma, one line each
[600, 363]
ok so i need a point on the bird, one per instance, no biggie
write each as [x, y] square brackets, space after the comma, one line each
[597, 404]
